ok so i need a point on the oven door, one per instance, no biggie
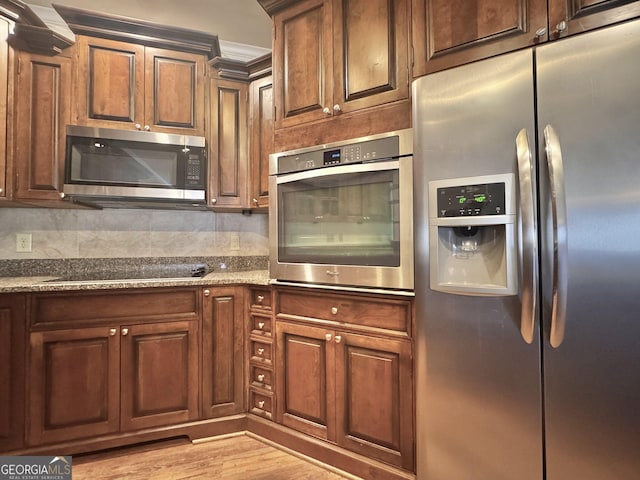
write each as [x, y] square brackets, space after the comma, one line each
[348, 225]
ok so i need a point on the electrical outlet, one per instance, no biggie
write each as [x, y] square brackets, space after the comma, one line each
[234, 243]
[23, 242]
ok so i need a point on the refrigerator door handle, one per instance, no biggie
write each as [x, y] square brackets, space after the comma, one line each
[529, 242]
[559, 214]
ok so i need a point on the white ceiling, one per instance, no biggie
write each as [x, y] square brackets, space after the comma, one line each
[237, 21]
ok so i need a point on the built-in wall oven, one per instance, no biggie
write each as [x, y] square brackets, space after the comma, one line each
[342, 214]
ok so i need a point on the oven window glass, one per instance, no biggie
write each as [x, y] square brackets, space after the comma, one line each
[113, 162]
[345, 219]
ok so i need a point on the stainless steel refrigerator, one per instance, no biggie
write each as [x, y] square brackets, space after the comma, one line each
[534, 375]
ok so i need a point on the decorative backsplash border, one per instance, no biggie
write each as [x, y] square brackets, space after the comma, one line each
[54, 267]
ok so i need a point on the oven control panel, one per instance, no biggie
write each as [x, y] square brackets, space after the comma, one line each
[357, 152]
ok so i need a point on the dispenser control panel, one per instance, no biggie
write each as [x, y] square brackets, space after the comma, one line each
[471, 200]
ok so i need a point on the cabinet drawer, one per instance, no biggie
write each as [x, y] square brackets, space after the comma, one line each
[261, 298]
[260, 403]
[260, 325]
[260, 351]
[261, 377]
[106, 306]
[391, 314]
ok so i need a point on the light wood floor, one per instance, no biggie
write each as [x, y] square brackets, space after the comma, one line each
[238, 457]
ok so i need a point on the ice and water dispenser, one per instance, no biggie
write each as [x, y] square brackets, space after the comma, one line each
[472, 235]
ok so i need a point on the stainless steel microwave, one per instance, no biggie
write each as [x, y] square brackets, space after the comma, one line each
[121, 168]
[341, 214]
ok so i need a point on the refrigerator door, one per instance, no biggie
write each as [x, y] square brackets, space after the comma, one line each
[477, 378]
[589, 95]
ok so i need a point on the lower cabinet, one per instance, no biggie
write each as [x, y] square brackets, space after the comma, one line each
[350, 388]
[12, 375]
[118, 376]
[223, 351]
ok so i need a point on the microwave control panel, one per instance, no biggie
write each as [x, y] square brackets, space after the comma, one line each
[359, 152]
[194, 171]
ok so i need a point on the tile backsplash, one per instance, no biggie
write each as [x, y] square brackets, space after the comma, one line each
[118, 233]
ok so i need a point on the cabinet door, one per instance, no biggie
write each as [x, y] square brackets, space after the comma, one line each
[583, 15]
[4, 77]
[448, 33]
[305, 379]
[159, 369]
[43, 109]
[174, 92]
[371, 48]
[374, 398]
[222, 352]
[75, 384]
[302, 62]
[12, 372]
[110, 83]
[228, 159]
[262, 143]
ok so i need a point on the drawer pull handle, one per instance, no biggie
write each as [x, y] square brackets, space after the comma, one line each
[327, 337]
[125, 332]
[261, 377]
[338, 338]
[261, 351]
[261, 404]
[260, 325]
[260, 298]
[112, 331]
[334, 310]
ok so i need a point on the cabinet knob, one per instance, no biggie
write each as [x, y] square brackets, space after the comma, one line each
[260, 325]
[112, 331]
[541, 32]
[147, 128]
[261, 377]
[62, 195]
[214, 201]
[260, 298]
[336, 108]
[138, 126]
[326, 111]
[125, 332]
[207, 292]
[0, 190]
[261, 404]
[334, 310]
[338, 338]
[261, 351]
[255, 201]
[328, 337]
[562, 26]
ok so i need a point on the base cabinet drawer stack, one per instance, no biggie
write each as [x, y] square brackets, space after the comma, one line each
[344, 371]
[261, 376]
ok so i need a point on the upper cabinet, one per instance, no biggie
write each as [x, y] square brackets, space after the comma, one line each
[333, 59]
[4, 78]
[127, 85]
[446, 33]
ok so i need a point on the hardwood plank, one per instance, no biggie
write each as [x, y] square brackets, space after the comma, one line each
[237, 457]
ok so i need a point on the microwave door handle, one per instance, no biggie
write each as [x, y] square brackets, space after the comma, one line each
[528, 246]
[559, 217]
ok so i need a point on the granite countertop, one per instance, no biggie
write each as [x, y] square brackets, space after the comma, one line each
[49, 284]
[50, 275]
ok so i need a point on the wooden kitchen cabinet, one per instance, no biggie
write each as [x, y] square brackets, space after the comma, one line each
[228, 144]
[261, 353]
[344, 371]
[43, 86]
[446, 34]
[13, 320]
[332, 58]
[132, 86]
[223, 351]
[112, 362]
[261, 128]
[4, 99]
